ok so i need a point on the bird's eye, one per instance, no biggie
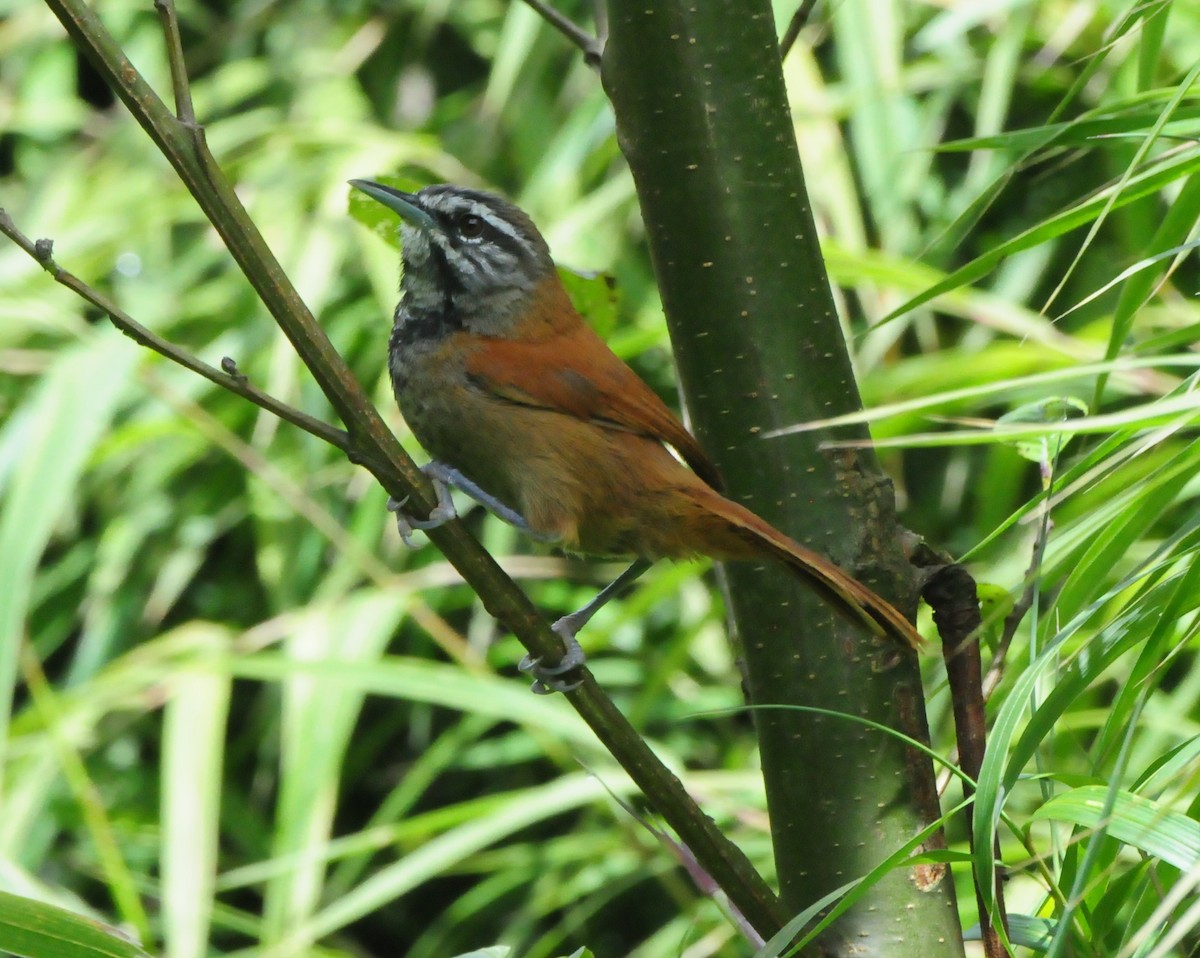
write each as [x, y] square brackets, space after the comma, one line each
[470, 226]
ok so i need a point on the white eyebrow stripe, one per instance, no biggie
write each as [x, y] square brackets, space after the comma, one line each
[500, 224]
[452, 203]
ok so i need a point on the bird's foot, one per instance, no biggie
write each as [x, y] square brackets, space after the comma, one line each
[547, 678]
[439, 515]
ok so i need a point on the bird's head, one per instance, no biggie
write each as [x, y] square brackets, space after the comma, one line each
[468, 254]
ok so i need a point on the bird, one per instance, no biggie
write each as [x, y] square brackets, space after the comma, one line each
[524, 408]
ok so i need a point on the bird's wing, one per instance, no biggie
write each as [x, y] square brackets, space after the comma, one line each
[575, 373]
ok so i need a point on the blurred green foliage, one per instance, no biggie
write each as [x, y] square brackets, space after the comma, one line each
[242, 719]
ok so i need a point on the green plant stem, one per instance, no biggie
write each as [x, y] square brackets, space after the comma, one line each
[374, 447]
[703, 120]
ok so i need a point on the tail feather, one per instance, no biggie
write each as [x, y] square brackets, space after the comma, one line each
[757, 537]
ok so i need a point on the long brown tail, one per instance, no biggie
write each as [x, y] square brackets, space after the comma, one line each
[746, 536]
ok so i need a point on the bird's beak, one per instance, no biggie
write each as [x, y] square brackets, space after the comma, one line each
[404, 204]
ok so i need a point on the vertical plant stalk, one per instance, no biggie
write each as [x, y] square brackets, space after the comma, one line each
[181, 140]
[953, 595]
[703, 120]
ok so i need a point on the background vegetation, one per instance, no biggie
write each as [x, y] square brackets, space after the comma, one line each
[244, 719]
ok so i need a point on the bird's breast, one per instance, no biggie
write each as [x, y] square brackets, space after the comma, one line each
[452, 420]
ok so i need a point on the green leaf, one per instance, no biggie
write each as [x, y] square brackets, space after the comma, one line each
[1145, 183]
[44, 451]
[34, 929]
[1077, 133]
[1028, 931]
[1043, 449]
[594, 295]
[1159, 832]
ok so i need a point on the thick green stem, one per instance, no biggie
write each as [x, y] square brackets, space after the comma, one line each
[703, 119]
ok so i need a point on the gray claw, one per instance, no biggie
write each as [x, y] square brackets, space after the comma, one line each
[546, 677]
[439, 515]
[404, 527]
[394, 504]
[545, 682]
[550, 686]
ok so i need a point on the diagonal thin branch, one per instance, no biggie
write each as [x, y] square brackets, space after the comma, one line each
[1012, 621]
[795, 25]
[183, 144]
[600, 12]
[179, 78]
[593, 49]
[228, 377]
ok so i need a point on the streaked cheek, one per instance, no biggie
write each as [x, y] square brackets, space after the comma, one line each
[415, 247]
[491, 268]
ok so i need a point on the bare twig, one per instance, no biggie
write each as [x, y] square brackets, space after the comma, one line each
[42, 251]
[702, 879]
[795, 25]
[179, 78]
[600, 11]
[952, 594]
[592, 48]
[1012, 621]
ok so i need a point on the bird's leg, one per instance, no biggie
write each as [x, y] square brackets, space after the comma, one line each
[546, 677]
[439, 515]
[444, 478]
[452, 477]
